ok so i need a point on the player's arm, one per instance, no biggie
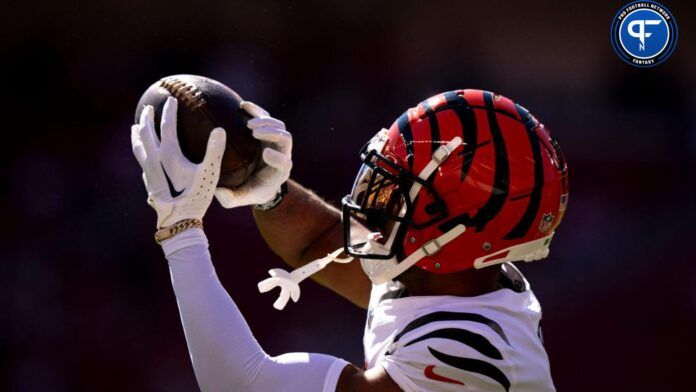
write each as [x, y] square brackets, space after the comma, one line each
[302, 227]
[224, 353]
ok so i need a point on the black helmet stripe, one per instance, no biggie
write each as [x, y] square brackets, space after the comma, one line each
[405, 130]
[522, 227]
[467, 120]
[434, 126]
[501, 181]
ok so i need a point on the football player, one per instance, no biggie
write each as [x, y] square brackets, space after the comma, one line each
[455, 190]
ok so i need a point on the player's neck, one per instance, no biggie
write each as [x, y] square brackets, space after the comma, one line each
[468, 283]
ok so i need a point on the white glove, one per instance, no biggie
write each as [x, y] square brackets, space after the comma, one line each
[264, 184]
[176, 188]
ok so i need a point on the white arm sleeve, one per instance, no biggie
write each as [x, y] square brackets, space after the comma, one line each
[224, 353]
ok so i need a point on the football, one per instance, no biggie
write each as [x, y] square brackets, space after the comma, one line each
[205, 104]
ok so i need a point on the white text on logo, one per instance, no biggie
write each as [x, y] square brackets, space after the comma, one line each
[641, 34]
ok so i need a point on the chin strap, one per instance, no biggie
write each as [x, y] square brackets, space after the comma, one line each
[289, 282]
[439, 156]
[428, 249]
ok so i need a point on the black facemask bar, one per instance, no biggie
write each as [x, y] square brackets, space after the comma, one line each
[382, 202]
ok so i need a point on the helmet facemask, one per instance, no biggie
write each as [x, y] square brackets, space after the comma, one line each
[383, 199]
[379, 202]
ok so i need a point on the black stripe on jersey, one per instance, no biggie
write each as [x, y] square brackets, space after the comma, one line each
[473, 340]
[405, 129]
[474, 366]
[523, 225]
[452, 316]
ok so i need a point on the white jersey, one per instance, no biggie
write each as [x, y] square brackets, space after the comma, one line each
[491, 342]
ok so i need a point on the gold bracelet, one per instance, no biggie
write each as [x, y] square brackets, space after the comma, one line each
[170, 231]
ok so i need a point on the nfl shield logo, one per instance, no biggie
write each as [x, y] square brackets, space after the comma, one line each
[546, 222]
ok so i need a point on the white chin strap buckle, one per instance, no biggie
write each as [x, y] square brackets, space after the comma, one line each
[289, 282]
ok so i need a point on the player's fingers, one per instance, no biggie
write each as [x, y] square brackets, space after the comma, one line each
[135, 135]
[135, 139]
[147, 115]
[147, 159]
[253, 109]
[171, 105]
[215, 149]
[148, 139]
[226, 197]
[277, 159]
[168, 126]
[145, 179]
[154, 179]
[138, 149]
[277, 136]
[147, 129]
[271, 134]
[265, 121]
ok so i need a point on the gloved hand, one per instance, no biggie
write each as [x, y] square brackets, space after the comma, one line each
[263, 185]
[176, 188]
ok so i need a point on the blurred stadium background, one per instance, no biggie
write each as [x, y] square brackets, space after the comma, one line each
[85, 297]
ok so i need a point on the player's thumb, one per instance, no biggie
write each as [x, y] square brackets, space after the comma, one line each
[226, 197]
[216, 148]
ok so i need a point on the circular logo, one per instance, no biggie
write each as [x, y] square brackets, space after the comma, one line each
[644, 33]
